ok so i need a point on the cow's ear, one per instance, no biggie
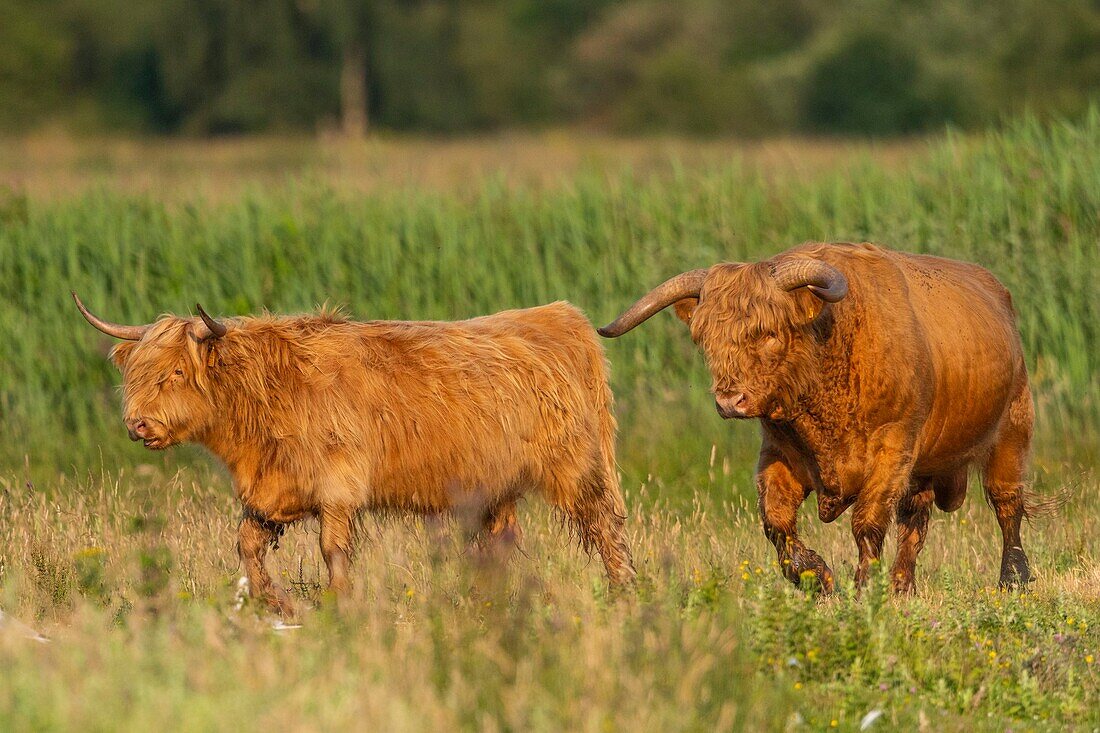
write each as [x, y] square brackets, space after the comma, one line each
[808, 305]
[212, 360]
[121, 353]
[685, 309]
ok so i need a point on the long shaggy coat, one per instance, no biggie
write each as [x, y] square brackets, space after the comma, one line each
[326, 417]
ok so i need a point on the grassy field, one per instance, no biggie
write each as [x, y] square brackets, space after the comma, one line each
[125, 558]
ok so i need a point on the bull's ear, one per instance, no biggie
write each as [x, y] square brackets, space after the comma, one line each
[685, 309]
[121, 353]
[809, 305]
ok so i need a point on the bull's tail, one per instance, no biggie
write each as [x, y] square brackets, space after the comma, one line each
[1037, 505]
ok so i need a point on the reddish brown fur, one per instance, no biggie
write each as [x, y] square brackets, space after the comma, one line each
[320, 416]
[880, 401]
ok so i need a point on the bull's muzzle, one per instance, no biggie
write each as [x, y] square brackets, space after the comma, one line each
[732, 405]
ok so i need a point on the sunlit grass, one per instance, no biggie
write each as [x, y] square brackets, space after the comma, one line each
[134, 579]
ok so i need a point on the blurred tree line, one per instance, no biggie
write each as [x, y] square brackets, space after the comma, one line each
[749, 67]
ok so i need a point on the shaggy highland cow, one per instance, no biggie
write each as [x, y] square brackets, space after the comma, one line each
[878, 378]
[324, 417]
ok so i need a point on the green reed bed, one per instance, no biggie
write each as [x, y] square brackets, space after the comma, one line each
[1025, 203]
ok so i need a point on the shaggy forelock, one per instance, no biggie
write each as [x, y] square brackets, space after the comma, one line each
[169, 344]
[739, 306]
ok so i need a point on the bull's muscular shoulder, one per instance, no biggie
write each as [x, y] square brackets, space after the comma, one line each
[878, 346]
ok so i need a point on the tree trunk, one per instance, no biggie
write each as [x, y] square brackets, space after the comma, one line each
[353, 91]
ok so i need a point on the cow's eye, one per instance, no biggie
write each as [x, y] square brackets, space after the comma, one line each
[179, 372]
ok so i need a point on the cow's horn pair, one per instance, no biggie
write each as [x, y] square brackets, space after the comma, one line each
[824, 281]
[134, 333]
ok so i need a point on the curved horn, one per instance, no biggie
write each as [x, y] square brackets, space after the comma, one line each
[823, 280]
[685, 285]
[217, 330]
[128, 333]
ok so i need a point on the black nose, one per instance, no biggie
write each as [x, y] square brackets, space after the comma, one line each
[730, 406]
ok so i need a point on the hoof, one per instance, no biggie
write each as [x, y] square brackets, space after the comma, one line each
[1015, 570]
[279, 602]
[903, 584]
[808, 571]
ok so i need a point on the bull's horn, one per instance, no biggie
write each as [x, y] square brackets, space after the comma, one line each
[128, 333]
[823, 280]
[217, 330]
[685, 285]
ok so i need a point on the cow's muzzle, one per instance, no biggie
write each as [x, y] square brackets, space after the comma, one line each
[137, 428]
[141, 429]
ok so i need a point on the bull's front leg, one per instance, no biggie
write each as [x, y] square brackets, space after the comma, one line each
[254, 536]
[780, 496]
[876, 507]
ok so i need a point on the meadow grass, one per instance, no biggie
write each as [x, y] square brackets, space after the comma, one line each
[133, 579]
[126, 558]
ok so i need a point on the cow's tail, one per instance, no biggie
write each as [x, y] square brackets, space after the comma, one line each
[608, 429]
[603, 402]
[603, 500]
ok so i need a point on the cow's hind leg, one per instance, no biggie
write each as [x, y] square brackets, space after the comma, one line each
[498, 529]
[254, 537]
[780, 496]
[1003, 478]
[913, 513]
[596, 510]
[337, 540]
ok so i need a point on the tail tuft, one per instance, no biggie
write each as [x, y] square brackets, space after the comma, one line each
[1036, 505]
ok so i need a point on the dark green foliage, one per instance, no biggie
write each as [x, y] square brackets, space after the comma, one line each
[870, 85]
[749, 67]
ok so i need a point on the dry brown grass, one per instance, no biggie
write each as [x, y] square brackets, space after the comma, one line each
[133, 578]
[53, 165]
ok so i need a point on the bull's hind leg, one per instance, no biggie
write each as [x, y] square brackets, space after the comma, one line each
[254, 537]
[596, 510]
[780, 496]
[1003, 477]
[948, 492]
[913, 513]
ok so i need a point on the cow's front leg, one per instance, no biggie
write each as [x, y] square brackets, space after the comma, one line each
[337, 539]
[781, 494]
[254, 536]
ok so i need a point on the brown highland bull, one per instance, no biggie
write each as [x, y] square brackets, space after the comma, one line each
[878, 378]
[320, 416]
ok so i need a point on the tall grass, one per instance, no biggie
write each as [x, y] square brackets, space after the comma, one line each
[1024, 203]
[132, 578]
